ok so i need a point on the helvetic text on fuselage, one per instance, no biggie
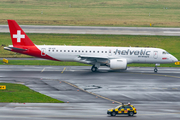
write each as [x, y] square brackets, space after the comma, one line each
[139, 53]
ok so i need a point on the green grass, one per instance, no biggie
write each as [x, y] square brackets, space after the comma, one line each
[18, 93]
[152, 65]
[92, 12]
[41, 62]
[57, 63]
[169, 43]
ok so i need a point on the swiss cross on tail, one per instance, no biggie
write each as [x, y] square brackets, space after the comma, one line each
[18, 36]
[22, 43]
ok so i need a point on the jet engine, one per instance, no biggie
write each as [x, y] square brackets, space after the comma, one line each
[118, 64]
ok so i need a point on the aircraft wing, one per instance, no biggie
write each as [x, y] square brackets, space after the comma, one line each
[100, 59]
[93, 57]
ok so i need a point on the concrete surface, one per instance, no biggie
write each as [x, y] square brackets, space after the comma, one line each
[96, 30]
[155, 95]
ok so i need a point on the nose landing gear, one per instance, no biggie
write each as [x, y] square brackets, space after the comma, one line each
[155, 69]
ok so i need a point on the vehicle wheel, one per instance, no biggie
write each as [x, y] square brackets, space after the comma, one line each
[131, 113]
[113, 114]
[155, 70]
[94, 69]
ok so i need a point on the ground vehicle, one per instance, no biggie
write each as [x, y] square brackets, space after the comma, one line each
[122, 109]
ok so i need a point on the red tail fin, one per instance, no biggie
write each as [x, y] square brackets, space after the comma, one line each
[18, 36]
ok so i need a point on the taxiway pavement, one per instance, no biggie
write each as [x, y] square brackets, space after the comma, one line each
[97, 30]
[88, 95]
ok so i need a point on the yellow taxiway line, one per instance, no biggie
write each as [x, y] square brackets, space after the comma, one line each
[63, 70]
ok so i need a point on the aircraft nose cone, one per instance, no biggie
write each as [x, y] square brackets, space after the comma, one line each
[174, 59]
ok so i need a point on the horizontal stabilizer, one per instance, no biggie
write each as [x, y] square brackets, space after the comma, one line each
[14, 48]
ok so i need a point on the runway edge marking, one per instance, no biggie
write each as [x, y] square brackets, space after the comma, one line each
[92, 93]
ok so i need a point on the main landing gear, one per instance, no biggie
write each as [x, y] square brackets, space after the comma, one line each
[155, 69]
[94, 69]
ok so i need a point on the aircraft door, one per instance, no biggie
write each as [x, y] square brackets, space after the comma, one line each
[155, 54]
[43, 51]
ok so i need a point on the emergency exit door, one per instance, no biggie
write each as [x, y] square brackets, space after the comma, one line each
[155, 55]
[43, 51]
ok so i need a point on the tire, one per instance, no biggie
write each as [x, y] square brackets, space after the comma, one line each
[113, 114]
[94, 69]
[155, 70]
[131, 113]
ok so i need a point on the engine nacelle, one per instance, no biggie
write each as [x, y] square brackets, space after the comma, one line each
[118, 64]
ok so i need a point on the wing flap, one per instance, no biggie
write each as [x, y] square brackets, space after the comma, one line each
[93, 57]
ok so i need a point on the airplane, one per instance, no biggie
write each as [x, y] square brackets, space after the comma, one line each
[115, 58]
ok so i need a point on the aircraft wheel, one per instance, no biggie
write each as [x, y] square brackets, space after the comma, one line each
[155, 70]
[94, 69]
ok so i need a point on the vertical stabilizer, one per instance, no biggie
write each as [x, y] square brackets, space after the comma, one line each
[18, 36]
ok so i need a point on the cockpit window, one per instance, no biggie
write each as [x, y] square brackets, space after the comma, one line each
[164, 52]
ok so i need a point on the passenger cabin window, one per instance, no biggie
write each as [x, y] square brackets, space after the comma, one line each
[90, 51]
[64, 50]
[93, 51]
[79, 51]
[60, 50]
[56, 50]
[75, 50]
[53, 50]
[105, 51]
[49, 50]
[97, 51]
[102, 51]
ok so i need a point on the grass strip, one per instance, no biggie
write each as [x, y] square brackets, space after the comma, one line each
[92, 12]
[18, 93]
[59, 63]
[42, 62]
[169, 43]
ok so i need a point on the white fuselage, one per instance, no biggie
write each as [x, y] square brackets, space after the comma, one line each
[131, 54]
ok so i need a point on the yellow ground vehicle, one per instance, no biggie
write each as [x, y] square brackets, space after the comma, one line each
[122, 109]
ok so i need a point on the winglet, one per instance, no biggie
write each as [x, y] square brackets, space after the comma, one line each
[18, 36]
